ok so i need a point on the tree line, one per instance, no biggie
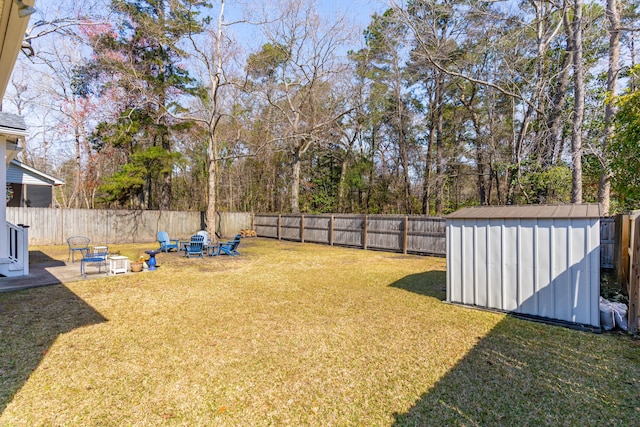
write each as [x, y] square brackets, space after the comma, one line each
[437, 104]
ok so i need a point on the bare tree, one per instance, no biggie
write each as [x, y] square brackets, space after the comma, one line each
[293, 76]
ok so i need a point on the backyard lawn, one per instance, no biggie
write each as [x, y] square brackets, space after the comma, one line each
[291, 334]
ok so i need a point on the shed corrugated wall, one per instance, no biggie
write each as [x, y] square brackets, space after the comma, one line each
[540, 267]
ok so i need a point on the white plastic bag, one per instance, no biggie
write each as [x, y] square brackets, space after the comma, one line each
[607, 320]
[620, 314]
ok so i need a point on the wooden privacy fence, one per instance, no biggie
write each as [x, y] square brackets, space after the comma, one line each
[50, 226]
[627, 262]
[397, 233]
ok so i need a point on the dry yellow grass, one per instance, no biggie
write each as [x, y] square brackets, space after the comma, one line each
[296, 334]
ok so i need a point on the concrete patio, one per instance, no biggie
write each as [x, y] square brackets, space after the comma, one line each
[46, 273]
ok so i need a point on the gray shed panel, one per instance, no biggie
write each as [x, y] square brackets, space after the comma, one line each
[546, 267]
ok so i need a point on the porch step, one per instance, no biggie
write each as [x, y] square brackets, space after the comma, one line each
[14, 266]
[9, 268]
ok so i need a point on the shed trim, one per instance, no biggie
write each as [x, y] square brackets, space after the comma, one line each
[589, 210]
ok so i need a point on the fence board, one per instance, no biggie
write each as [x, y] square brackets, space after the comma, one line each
[230, 223]
[266, 225]
[425, 236]
[607, 242]
[386, 233]
[317, 229]
[290, 227]
[348, 230]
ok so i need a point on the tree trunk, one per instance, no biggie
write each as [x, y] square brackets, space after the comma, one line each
[74, 198]
[213, 188]
[439, 146]
[426, 177]
[513, 173]
[604, 187]
[402, 147]
[482, 180]
[165, 189]
[295, 182]
[481, 163]
[578, 114]
[406, 182]
[372, 172]
[344, 168]
[212, 149]
[342, 185]
[553, 145]
[554, 122]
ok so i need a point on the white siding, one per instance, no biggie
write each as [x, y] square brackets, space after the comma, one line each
[540, 267]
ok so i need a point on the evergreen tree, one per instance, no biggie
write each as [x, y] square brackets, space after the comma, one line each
[140, 61]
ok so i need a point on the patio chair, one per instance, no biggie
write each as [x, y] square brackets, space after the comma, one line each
[166, 244]
[97, 257]
[77, 244]
[230, 248]
[195, 246]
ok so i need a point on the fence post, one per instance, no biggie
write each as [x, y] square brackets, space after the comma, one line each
[621, 251]
[302, 228]
[331, 220]
[634, 282]
[279, 225]
[405, 237]
[365, 228]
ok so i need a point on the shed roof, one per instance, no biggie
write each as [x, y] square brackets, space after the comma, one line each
[527, 212]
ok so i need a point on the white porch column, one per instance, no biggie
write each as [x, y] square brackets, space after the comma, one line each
[4, 238]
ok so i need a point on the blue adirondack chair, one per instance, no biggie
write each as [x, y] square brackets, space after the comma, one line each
[195, 246]
[166, 244]
[230, 248]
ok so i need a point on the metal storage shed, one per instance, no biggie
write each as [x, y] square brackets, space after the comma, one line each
[540, 261]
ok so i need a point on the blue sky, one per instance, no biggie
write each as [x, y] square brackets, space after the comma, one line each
[357, 11]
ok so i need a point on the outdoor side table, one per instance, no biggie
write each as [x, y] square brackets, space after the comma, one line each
[118, 264]
[211, 249]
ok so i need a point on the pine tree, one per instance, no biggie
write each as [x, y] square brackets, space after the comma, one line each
[140, 61]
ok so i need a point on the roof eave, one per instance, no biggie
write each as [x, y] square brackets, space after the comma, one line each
[12, 30]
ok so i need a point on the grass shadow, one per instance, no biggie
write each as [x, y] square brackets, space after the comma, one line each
[430, 283]
[30, 321]
[523, 373]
